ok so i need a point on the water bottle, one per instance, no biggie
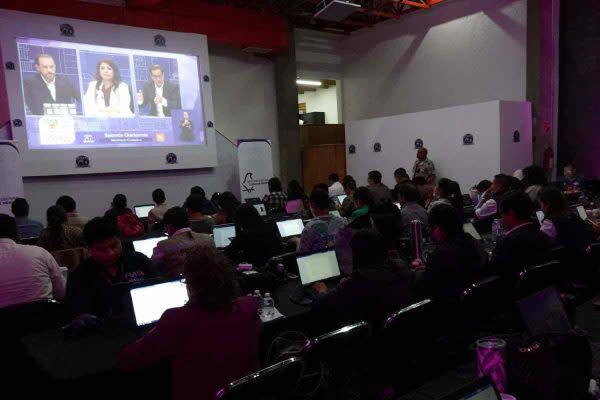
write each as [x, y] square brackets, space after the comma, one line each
[416, 239]
[268, 306]
[259, 301]
[497, 228]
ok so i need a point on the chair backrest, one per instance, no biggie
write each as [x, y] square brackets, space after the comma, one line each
[70, 258]
[482, 300]
[21, 319]
[272, 382]
[411, 324]
[30, 240]
[341, 343]
[537, 277]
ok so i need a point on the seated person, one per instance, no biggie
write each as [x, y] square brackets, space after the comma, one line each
[209, 342]
[296, 192]
[458, 259]
[89, 285]
[522, 244]
[200, 220]
[408, 197]
[487, 209]
[276, 199]
[255, 242]
[562, 226]
[348, 206]
[478, 190]
[335, 188]
[425, 190]
[158, 212]
[27, 273]
[58, 235]
[370, 293]
[447, 192]
[321, 231]
[401, 177]
[169, 255]
[118, 207]
[227, 206]
[208, 205]
[381, 193]
[534, 180]
[27, 228]
[570, 180]
[73, 217]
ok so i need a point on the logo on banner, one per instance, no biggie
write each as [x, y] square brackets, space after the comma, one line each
[249, 183]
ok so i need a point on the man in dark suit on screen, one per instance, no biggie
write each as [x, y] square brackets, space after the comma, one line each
[47, 87]
[159, 96]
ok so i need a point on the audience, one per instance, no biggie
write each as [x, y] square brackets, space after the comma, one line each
[276, 199]
[58, 235]
[401, 178]
[458, 259]
[320, 232]
[118, 207]
[207, 205]
[487, 209]
[522, 244]
[424, 167]
[570, 180]
[89, 285]
[296, 192]
[209, 342]
[335, 188]
[158, 212]
[73, 217]
[371, 292]
[564, 227]
[348, 206]
[27, 273]
[200, 221]
[447, 192]
[381, 193]
[412, 210]
[425, 191]
[361, 217]
[227, 206]
[26, 227]
[255, 242]
[534, 180]
[169, 255]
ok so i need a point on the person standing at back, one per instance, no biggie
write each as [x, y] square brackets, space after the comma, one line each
[27, 273]
[27, 228]
[335, 188]
[321, 231]
[424, 167]
[158, 212]
[381, 193]
[73, 217]
[276, 199]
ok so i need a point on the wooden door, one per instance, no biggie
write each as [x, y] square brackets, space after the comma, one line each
[321, 160]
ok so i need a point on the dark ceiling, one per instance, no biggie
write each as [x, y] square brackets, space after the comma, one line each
[301, 12]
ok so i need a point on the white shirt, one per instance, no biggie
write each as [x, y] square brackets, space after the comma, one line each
[159, 107]
[51, 87]
[487, 209]
[549, 229]
[336, 189]
[27, 274]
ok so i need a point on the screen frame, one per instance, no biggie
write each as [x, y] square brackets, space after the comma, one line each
[223, 226]
[142, 205]
[312, 253]
[287, 220]
[15, 24]
[148, 239]
[144, 284]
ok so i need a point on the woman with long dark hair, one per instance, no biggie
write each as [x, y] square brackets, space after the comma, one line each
[209, 342]
[58, 235]
[448, 192]
[227, 206]
[107, 95]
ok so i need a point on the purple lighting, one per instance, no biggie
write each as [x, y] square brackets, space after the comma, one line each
[491, 360]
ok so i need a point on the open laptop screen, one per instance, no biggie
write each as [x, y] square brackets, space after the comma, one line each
[471, 230]
[318, 266]
[222, 234]
[260, 207]
[582, 214]
[150, 302]
[290, 227]
[146, 246]
[540, 216]
[543, 313]
[143, 211]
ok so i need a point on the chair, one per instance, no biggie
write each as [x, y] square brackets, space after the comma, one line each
[30, 240]
[21, 319]
[483, 304]
[273, 382]
[536, 278]
[70, 258]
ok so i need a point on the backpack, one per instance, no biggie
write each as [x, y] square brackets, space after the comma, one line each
[130, 225]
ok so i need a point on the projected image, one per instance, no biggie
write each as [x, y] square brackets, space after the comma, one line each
[88, 96]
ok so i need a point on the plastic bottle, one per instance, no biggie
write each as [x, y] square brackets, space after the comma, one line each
[497, 228]
[268, 306]
[259, 301]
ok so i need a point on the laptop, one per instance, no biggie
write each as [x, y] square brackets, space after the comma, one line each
[341, 198]
[143, 210]
[582, 214]
[335, 213]
[223, 234]
[146, 246]
[151, 301]
[253, 200]
[294, 206]
[318, 266]
[543, 312]
[398, 205]
[290, 227]
[471, 230]
[540, 216]
[262, 210]
[482, 389]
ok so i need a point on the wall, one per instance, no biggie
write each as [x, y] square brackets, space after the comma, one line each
[324, 100]
[442, 132]
[245, 107]
[318, 54]
[459, 52]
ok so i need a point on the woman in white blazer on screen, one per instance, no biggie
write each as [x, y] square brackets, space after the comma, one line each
[107, 95]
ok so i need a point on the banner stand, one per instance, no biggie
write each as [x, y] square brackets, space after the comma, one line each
[255, 160]
[11, 179]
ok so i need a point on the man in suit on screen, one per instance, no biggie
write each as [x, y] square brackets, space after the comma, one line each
[47, 87]
[159, 96]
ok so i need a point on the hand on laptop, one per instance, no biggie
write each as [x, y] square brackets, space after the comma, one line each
[320, 288]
